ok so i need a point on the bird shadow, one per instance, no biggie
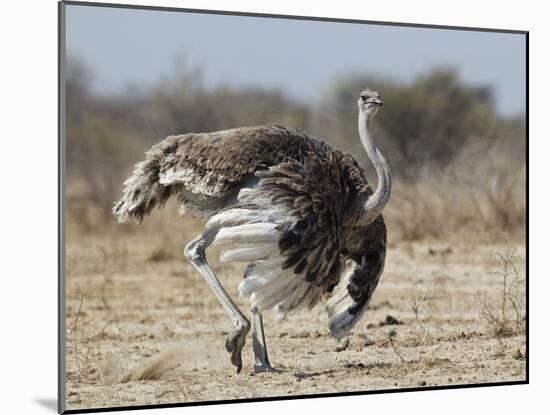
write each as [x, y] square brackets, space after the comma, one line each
[48, 403]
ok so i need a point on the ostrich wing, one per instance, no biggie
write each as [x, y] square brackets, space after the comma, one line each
[214, 164]
[361, 277]
[312, 203]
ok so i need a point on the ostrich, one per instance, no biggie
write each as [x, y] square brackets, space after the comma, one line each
[299, 213]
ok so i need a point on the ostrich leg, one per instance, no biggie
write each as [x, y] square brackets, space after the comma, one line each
[261, 361]
[195, 252]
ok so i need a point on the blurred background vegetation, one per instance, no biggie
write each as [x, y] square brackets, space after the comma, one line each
[459, 168]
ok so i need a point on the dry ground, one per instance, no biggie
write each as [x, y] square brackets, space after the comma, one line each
[131, 294]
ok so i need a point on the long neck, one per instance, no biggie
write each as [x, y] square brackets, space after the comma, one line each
[377, 201]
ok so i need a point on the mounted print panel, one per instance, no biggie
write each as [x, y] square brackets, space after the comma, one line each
[276, 207]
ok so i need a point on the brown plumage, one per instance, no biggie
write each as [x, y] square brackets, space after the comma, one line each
[211, 166]
[288, 204]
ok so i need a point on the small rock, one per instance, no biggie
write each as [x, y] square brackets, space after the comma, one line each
[390, 321]
[442, 252]
[517, 355]
[342, 344]
[423, 383]
[368, 342]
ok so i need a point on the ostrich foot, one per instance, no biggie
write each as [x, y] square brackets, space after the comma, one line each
[235, 343]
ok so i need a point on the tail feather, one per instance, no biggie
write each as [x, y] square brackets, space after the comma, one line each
[142, 190]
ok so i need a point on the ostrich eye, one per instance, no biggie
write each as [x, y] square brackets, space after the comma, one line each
[363, 97]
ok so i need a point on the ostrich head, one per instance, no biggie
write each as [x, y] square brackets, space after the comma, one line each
[369, 102]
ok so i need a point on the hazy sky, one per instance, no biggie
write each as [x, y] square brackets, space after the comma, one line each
[140, 46]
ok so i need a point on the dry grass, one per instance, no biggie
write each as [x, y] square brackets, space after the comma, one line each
[422, 298]
[77, 347]
[481, 194]
[505, 315]
[438, 206]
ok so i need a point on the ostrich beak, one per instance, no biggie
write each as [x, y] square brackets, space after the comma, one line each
[375, 102]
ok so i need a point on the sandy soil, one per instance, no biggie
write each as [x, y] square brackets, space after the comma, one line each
[131, 295]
